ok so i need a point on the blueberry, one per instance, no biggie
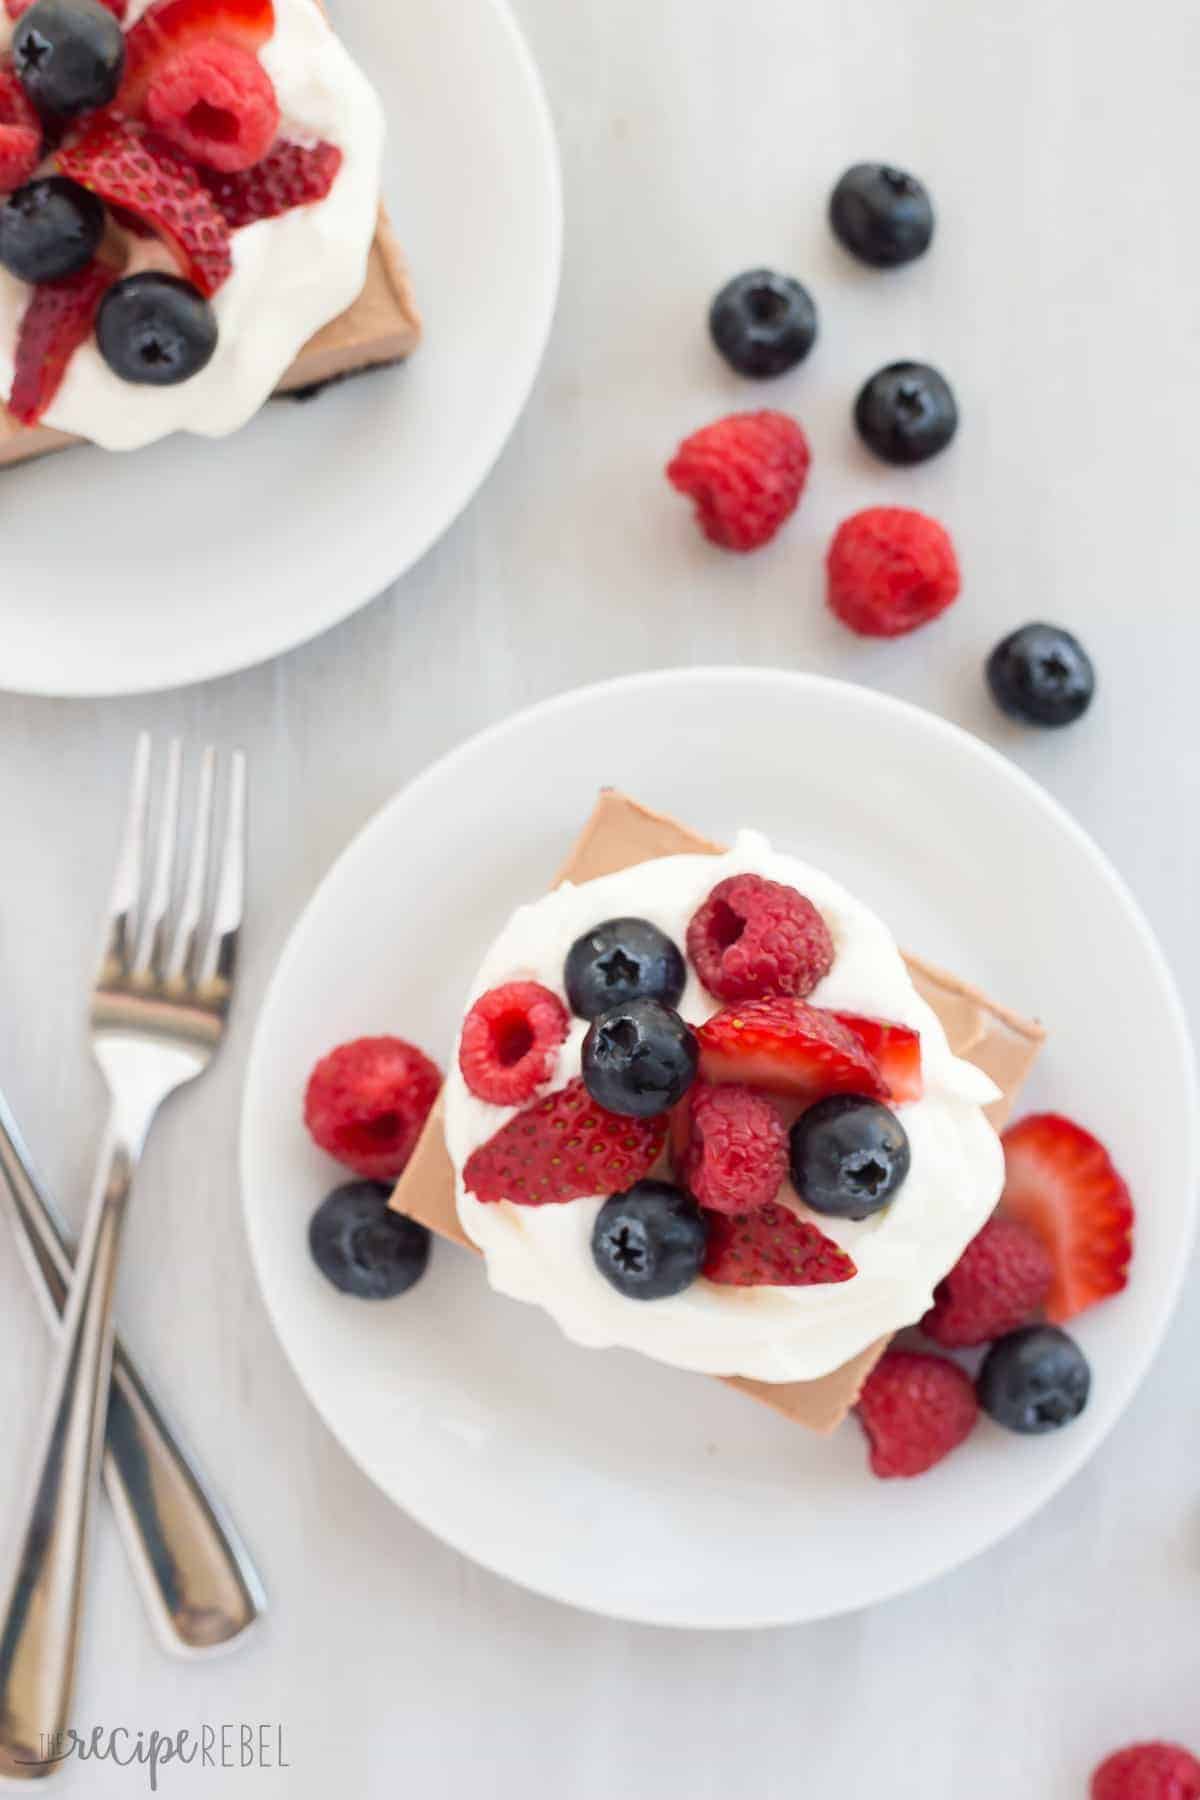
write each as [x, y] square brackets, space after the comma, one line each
[1041, 674]
[849, 1156]
[763, 323]
[639, 1059]
[49, 229]
[621, 960]
[70, 55]
[156, 330]
[363, 1247]
[906, 412]
[1034, 1380]
[881, 215]
[650, 1241]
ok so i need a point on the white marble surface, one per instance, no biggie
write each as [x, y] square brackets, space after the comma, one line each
[698, 137]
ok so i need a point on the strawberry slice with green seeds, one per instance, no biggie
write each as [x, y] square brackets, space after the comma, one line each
[564, 1147]
[772, 1247]
[59, 318]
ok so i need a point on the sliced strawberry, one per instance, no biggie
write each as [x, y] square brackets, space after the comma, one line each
[1061, 1183]
[787, 1047]
[289, 175]
[59, 317]
[564, 1147]
[20, 134]
[144, 176]
[896, 1049]
[772, 1247]
[171, 25]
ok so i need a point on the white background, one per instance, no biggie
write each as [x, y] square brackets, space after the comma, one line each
[699, 137]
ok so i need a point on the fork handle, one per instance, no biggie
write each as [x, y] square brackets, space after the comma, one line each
[196, 1578]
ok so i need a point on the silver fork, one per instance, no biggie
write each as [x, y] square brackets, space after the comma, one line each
[158, 1011]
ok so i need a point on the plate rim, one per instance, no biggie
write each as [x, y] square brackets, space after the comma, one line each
[1134, 1370]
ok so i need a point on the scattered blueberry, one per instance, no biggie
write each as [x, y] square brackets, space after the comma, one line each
[849, 1156]
[156, 330]
[650, 1241]
[906, 412]
[881, 215]
[70, 55]
[1041, 674]
[763, 323]
[639, 1059]
[49, 229]
[363, 1247]
[621, 960]
[1034, 1380]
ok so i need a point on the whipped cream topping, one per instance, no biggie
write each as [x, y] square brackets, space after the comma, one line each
[543, 1254]
[291, 274]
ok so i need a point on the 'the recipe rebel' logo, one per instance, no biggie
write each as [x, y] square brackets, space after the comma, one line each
[226, 1746]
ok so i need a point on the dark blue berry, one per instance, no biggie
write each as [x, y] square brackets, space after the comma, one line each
[849, 1156]
[70, 55]
[363, 1247]
[650, 1241]
[49, 229]
[763, 323]
[622, 960]
[1034, 1380]
[156, 330]
[906, 412]
[881, 215]
[639, 1059]
[1041, 674]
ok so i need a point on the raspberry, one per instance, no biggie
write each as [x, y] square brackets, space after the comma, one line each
[891, 569]
[746, 474]
[170, 26]
[735, 1158]
[1148, 1772]
[216, 103]
[772, 1247]
[998, 1283]
[508, 1042]
[291, 175]
[564, 1147]
[915, 1409]
[366, 1103]
[754, 937]
[20, 134]
[59, 317]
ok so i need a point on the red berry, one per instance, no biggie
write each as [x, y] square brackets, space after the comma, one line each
[895, 1048]
[58, 318]
[564, 1147]
[786, 1047]
[891, 569]
[509, 1040]
[772, 1247]
[148, 178]
[216, 103]
[915, 1409]
[1153, 1771]
[173, 25]
[997, 1285]
[746, 474]
[734, 1158]
[754, 937]
[367, 1101]
[20, 134]
[1061, 1183]
[291, 175]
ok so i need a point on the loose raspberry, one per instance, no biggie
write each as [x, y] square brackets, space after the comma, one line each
[58, 318]
[148, 178]
[20, 134]
[735, 1153]
[787, 1047]
[746, 474]
[291, 175]
[915, 1409]
[171, 26]
[998, 1283]
[508, 1042]
[366, 1103]
[891, 569]
[772, 1247]
[1061, 1183]
[1154, 1771]
[895, 1048]
[564, 1147]
[754, 937]
[216, 103]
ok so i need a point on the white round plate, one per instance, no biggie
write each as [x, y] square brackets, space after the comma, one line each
[601, 1478]
[198, 556]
